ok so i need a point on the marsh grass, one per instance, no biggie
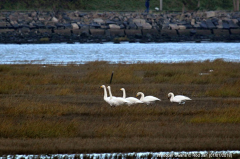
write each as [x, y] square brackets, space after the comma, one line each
[219, 115]
[62, 107]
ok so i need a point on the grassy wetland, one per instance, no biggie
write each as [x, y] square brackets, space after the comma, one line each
[60, 109]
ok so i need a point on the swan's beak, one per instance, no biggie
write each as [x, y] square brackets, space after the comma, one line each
[100, 87]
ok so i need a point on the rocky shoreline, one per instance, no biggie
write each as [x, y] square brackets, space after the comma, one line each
[93, 27]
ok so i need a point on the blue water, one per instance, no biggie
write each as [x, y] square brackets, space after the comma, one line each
[117, 53]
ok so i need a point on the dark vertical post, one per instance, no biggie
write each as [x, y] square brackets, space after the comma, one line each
[111, 77]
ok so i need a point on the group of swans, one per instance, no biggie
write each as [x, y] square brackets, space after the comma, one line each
[116, 101]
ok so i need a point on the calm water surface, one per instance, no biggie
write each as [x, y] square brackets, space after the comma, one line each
[115, 53]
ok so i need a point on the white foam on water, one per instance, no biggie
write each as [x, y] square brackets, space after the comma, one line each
[137, 155]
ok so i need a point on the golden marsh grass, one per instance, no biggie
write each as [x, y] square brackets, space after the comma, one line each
[60, 109]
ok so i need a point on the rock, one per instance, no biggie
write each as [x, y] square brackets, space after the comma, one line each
[95, 26]
[220, 32]
[39, 26]
[235, 21]
[54, 19]
[75, 26]
[116, 32]
[232, 25]
[139, 20]
[132, 32]
[210, 25]
[139, 25]
[210, 14]
[67, 26]
[98, 20]
[182, 27]
[105, 27]
[83, 26]
[147, 26]
[173, 26]
[131, 26]
[219, 26]
[203, 25]
[186, 32]
[167, 32]
[138, 36]
[193, 22]
[203, 32]
[215, 21]
[235, 32]
[44, 31]
[33, 14]
[82, 14]
[109, 25]
[63, 31]
[110, 22]
[84, 33]
[225, 25]
[97, 32]
[114, 26]
[41, 19]
[24, 30]
[59, 25]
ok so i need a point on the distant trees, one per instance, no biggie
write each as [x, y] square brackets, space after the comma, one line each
[236, 5]
[172, 5]
[207, 4]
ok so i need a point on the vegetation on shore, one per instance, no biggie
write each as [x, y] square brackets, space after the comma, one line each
[60, 109]
[118, 5]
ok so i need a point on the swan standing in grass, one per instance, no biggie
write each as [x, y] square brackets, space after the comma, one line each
[131, 100]
[178, 98]
[116, 101]
[148, 99]
[105, 97]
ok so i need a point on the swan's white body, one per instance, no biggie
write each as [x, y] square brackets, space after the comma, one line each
[131, 100]
[116, 101]
[105, 97]
[148, 99]
[178, 98]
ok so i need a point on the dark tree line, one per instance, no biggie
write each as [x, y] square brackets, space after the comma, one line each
[88, 4]
[200, 4]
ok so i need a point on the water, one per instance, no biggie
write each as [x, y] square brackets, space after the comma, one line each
[142, 155]
[117, 53]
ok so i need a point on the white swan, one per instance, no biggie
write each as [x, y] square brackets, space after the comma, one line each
[116, 101]
[105, 97]
[131, 100]
[148, 99]
[178, 98]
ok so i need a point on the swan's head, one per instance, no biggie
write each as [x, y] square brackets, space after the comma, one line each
[170, 95]
[102, 86]
[122, 89]
[139, 93]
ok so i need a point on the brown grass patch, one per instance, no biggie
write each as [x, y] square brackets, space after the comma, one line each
[61, 109]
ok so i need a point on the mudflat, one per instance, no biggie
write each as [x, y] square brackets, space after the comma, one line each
[49, 109]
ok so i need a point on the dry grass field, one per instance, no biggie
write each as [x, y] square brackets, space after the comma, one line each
[60, 109]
